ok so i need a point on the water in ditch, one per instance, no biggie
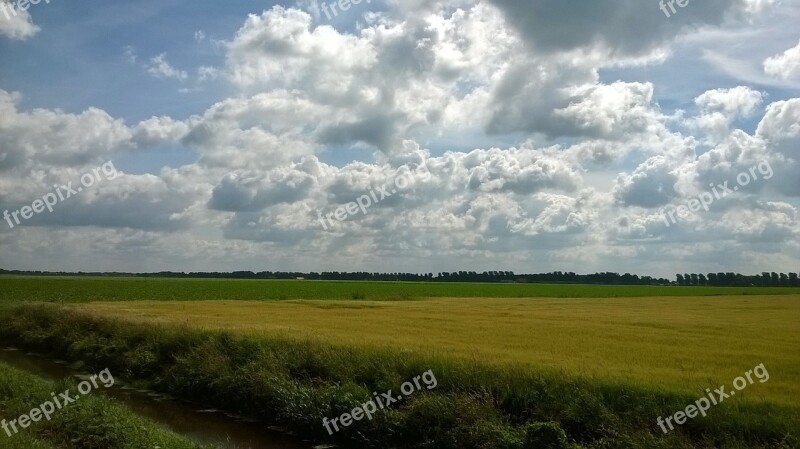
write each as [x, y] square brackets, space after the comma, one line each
[203, 426]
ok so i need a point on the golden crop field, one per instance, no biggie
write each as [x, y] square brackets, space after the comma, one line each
[684, 344]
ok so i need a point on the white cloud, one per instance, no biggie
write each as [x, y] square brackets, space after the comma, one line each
[159, 67]
[651, 185]
[52, 138]
[786, 65]
[159, 130]
[521, 129]
[719, 108]
[129, 53]
[16, 23]
[738, 102]
[206, 73]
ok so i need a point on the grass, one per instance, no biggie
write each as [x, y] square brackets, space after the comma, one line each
[75, 289]
[295, 383]
[25, 441]
[686, 344]
[93, 422]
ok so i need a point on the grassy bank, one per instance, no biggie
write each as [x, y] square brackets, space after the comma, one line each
[92, 422]
[298, 383]
[46, 289]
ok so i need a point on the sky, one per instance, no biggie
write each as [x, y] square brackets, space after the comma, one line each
[400, 136]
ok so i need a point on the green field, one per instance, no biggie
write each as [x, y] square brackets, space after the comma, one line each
[69, 289]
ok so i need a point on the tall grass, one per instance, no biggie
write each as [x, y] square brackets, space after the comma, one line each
[93, 422]
[297, 383]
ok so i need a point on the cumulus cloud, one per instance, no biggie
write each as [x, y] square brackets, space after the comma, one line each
[54, 138]
[615, 111]
[15, 23]
[262, 131]
[254, 192]
[719, 108]
[159, 130]
[557, 26]
[740, 101]
[784, 66]
[518, 128]
[781, 127]
[652, 184]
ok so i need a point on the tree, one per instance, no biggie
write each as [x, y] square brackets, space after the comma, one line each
[722, 279]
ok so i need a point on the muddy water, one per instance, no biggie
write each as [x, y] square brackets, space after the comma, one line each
[200, 425]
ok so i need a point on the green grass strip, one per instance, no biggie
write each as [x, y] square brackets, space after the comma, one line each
[92, 422]
[80, 289]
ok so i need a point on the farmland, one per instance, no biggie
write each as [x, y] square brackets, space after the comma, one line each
[76, 289]
[594, 364]
[678, 342]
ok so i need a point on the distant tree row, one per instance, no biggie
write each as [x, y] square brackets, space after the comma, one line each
[557, 277]
[764, 279]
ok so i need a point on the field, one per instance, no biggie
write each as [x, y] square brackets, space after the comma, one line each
[583, 367]
[683, 343]
[72, 289]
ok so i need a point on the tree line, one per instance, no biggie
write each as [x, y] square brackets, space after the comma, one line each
[765, 279]
[557, 277]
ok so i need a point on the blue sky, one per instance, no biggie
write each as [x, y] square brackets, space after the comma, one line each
[551, 128]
